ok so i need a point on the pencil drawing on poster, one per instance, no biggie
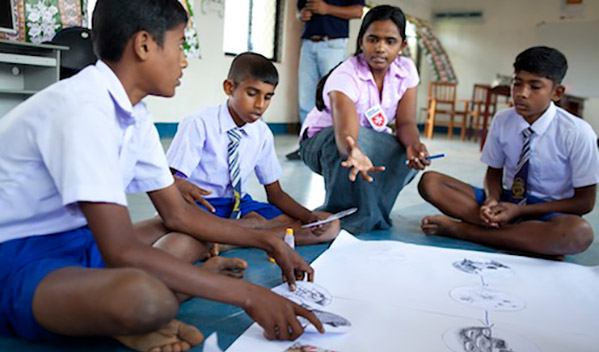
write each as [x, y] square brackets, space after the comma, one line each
[487, 298]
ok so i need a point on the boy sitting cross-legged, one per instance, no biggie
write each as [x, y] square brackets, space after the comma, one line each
[71, 261]
[218, 148]
[542, 175]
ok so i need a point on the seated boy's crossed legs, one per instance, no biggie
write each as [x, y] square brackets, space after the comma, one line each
[265, 216]
[549, 234]
[57, 285]
[254, 214]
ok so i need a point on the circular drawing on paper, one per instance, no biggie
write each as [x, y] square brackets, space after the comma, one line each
[306, 293]
[484, 339]
[487, 298]
[483, 267]
[332, 322]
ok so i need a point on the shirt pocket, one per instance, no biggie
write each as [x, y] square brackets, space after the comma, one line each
[551, 173]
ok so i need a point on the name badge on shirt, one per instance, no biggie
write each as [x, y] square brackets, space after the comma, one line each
[377, 119]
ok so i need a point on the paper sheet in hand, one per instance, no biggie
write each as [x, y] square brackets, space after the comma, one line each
[333, 217]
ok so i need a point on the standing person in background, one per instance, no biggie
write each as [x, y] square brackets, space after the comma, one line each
[324, 42]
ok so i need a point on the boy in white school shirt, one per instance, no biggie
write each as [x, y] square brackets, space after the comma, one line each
[542, 175]
[218, 148]
[71, 261]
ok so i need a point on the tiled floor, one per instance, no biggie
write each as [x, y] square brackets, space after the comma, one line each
[462, 161]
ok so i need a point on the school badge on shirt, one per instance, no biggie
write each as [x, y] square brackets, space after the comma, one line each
[377, 119]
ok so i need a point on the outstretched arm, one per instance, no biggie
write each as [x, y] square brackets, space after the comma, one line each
[112, 229]
[347, 127]
[180, 216]
[345, 121]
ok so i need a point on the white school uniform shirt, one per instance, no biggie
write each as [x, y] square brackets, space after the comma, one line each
[78, 140]
[563, 149]
[199, 151]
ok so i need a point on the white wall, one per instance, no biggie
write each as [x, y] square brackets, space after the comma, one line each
[479, 49]
[202, 81]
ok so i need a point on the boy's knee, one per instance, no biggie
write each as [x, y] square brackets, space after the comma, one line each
[184, 247]
[139, 302]
[577, 235]
[583, 236]
[333, 231]
[428, 180]
[255, 220]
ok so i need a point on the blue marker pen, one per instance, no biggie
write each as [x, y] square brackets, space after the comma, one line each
[430, 157]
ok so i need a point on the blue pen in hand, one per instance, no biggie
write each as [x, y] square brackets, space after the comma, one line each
[430, 157]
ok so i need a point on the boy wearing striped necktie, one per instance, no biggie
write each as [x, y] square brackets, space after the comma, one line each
[215, 151]
[542, 175]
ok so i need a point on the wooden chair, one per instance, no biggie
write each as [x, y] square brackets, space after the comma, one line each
[476, 108]
[442, 101]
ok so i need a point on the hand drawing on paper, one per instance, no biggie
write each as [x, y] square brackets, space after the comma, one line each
[332, 322]
[306, 293]
[487, 298]
[483, 267]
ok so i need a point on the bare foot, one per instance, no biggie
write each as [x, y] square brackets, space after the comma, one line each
[175, 336]
[438, 225]
[220, 248]
[232, 267]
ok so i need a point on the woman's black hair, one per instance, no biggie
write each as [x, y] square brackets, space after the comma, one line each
[320, 87]
[378, 13]
[382, 13]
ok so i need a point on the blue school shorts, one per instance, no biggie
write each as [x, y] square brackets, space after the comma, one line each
[224, 207]
[24, 262]
[505, 195]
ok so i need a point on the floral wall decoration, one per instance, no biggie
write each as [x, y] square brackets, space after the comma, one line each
[39, 20]
[192, 42]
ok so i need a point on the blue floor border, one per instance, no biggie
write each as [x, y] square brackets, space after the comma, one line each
[168, 129]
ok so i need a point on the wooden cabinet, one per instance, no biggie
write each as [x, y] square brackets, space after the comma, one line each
[25, 69]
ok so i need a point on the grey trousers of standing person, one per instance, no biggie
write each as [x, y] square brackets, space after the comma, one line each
[374, 200]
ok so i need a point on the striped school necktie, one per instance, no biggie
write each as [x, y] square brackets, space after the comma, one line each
[234, 169]
[518, 194]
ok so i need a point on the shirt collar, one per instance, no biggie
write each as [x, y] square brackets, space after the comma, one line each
[543, 122]
[395, 69]
[226, 121]
[116, 91]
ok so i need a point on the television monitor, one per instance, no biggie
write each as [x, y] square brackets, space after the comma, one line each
[8, 23]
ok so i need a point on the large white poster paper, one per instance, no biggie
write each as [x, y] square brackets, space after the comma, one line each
[415, 298]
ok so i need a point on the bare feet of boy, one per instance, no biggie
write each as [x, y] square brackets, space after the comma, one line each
[232, 267]
[438, 225]
[173, 337]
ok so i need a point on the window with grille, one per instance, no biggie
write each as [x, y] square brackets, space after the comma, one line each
[252, 25]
